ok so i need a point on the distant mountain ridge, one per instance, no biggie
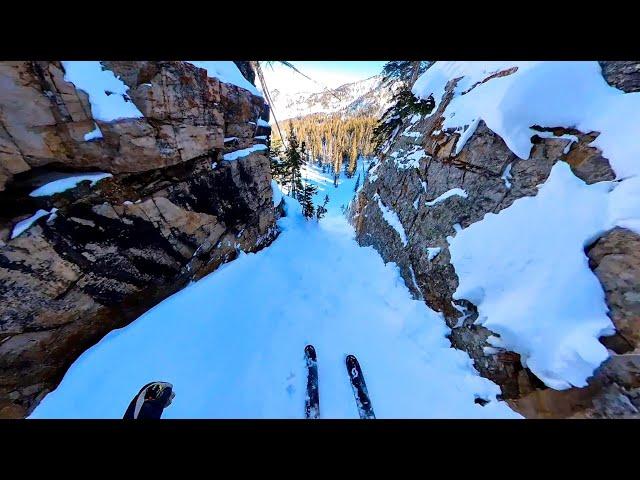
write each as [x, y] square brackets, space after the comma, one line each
[364, 97]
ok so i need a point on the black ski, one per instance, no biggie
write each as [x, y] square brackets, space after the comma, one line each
[312, 402]
[365, 409]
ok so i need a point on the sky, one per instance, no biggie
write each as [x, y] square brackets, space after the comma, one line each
[327, 73]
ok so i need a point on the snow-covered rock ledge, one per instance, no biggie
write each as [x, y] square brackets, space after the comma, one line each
[530, 188]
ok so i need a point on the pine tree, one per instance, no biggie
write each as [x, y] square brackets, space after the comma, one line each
[293, 156]
[278, 167]
[404, 103]
[322, 209]
[306, 200]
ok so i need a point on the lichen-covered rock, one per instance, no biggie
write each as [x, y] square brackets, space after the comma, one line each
[486, 176]
[173, 211]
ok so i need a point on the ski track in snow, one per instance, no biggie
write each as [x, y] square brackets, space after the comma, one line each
[233, 343]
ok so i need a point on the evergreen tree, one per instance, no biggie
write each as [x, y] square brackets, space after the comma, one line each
[329, 139]
[278, 167]
[403, 71]
[322, 209]
[293, 159]
[404, 103]
[306, 200]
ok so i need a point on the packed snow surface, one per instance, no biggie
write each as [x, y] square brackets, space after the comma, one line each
[227, 72]
[107, 93]
[232, 343]
[244, 152]
[63, 184]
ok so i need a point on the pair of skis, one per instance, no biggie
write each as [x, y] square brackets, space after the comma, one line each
[312, 403]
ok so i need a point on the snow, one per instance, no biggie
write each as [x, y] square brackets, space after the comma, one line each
[276, 192]
[349, 99]
[526, 270]
[432, 252]
[227, 72]
[263, 123]
[90, 77]
[93, 134]
[410, 159]
[23, 225]
[506, 176]
[66, 183]
[229, 139]
[558, 337]
[566, 136]
[570, 94]
[242, 355]
[244, 152]
[459, 192]
[392, 219]
[411, 134]
[466, 135]
[261, 137]
[373, 173]
[624, 205]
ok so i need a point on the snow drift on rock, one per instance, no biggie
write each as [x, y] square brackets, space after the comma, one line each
[107, 93]
[227, 72]
[66, 183]
[526, 270]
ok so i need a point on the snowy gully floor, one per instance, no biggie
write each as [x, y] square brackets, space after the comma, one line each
[232, 343]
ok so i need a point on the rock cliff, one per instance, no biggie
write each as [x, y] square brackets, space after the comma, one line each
[404, 183]
[172, 210]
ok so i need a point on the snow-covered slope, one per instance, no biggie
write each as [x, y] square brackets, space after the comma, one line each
[364, 97]
[232, 343]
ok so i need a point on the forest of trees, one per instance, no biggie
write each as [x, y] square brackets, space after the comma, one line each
[336, 141]
[333, 140]
[286, 164]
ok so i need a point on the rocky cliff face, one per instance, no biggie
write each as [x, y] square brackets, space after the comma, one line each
[479, 168]
[173, 210]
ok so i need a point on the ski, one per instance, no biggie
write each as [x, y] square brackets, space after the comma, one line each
[312, 402]
[365, 409]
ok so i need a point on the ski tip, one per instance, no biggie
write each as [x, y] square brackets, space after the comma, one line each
[351, 360]
[310, 351]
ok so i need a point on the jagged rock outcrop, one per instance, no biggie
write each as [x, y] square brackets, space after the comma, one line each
[173, 211]
[624, 75]
[479, 168]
